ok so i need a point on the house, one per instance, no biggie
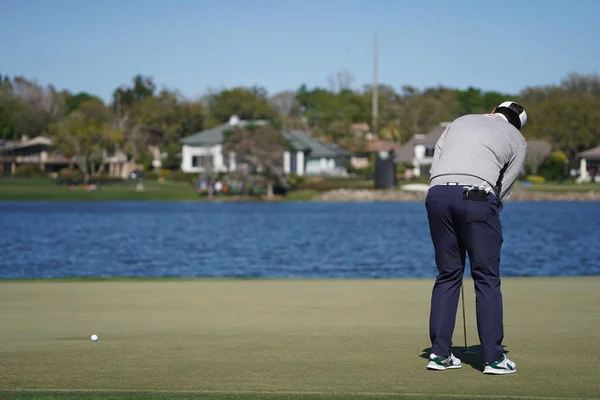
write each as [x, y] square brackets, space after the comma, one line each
[203, 151]
[376, 146]
[35, 151]
[40, 151]
[418, 151]
[589, 165]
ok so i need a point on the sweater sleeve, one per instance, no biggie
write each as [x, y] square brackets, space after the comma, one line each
[512, 172]
[438, 149]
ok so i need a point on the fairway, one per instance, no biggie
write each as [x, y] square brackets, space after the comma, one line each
[308, 339]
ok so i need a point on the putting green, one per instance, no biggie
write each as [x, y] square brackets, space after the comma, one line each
[297, 338]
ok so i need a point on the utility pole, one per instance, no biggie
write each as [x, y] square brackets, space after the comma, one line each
[375, 109]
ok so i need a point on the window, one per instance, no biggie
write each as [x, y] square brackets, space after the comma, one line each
[429, 150]
[202, 161]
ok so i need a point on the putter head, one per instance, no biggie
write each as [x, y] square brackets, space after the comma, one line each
[468, 350]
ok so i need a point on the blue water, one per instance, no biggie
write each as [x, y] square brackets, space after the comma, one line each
[345, 240]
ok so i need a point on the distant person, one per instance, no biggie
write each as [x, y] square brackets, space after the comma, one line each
[475, 164]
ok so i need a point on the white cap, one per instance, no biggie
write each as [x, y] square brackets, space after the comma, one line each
[517, 109]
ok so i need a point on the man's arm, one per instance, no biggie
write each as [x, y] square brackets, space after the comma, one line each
[438, 149]
[512, 172]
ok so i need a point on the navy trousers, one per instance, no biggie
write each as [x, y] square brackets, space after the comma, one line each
[459, 227]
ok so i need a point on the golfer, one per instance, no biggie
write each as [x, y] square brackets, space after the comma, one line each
[475, 163]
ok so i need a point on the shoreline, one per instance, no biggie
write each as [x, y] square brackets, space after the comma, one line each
[332, 196]
[353, 195]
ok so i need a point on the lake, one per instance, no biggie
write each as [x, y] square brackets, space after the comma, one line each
[276, 240]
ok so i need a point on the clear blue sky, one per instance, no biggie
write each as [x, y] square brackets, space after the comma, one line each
[194, 45]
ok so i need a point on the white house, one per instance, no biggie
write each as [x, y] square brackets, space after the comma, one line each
[203, 151]
[418, 151]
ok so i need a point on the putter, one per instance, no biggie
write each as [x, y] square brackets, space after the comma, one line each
[466, 349]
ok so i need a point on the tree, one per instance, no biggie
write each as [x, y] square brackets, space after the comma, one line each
[246, 103]
[578, 83]
[286, 104]
[568, 118]
[86, 135]
[537, 152]
[331, 114]
[193, 116]
[26, 108]
[172, 161]
[152, 120]
[74, 101]
[142, 88]
[414, 111]
[474, 101]
[259, 152]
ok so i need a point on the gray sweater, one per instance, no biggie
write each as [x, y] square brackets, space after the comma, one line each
[479, 149]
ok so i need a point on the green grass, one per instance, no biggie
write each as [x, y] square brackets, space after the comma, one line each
[83, 395]
[116, 395]
[284, 339]
[48, 189]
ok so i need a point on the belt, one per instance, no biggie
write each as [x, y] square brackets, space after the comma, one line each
[455, 184]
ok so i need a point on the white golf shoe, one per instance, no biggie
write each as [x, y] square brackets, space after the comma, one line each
[502, 366]
[442, 363]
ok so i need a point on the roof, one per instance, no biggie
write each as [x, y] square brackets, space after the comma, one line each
[591, 154]
[216, 135]
[23, 143]
[299, 140]
[377, 145]
[433, 136]
[406, 152]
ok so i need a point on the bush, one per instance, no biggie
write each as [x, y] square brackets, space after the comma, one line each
[29, 171]
[150, 176]
[172, 161]
[536, 179]
[70, 176]
[180, 176]
[145, 158]
[553, 167]
[164, 173]
[294, 180]
[403, 166]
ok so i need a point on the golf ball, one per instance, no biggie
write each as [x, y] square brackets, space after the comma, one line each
[94, 337]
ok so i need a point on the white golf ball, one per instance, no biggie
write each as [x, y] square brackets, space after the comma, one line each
[94, 338]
